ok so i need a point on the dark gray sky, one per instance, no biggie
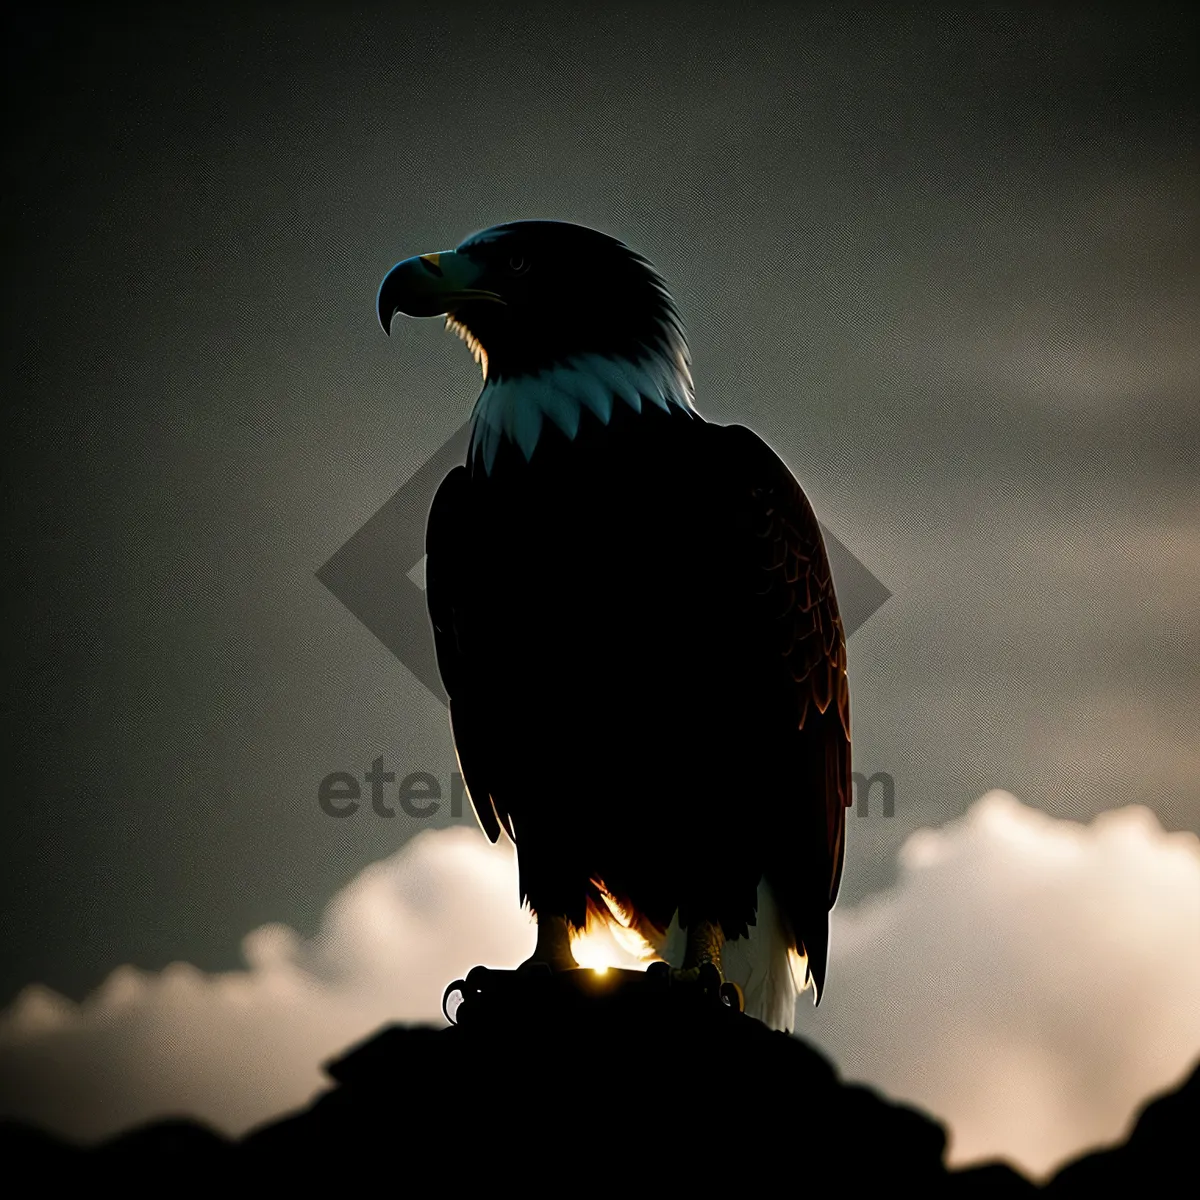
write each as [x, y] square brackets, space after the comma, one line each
[946, 264]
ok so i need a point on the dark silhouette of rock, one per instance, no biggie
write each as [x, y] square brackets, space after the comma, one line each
[549, 1081]
[29, 1147]
[990, 1181]
[610, 1076]
[1159, 1149]
[176, 1140]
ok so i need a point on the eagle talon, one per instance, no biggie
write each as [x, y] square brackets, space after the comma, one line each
[459, 988]
[732, 996]
[704, 981]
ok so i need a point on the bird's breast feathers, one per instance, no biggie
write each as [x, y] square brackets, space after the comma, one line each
[517, 409]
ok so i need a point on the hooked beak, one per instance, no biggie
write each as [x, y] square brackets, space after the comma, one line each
[430, 285]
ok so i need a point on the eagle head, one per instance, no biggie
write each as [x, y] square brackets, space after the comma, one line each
[560, 317]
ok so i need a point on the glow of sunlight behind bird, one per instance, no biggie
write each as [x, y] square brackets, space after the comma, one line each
[607, 943]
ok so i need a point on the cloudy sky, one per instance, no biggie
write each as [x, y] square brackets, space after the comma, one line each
[948, 267]
[1048, 955]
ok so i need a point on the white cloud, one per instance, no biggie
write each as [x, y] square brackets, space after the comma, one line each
[1029, 981]
[237, 1048]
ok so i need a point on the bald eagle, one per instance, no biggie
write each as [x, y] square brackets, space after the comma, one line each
[635, 622]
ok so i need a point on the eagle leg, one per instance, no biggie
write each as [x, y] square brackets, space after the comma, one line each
[553, 947]
[705, 940]
[702, 965]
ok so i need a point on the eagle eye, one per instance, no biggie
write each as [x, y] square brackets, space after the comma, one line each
[518, 264]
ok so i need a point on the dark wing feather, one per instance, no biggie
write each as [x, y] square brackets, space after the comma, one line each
[448, 559]
[806, 666]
